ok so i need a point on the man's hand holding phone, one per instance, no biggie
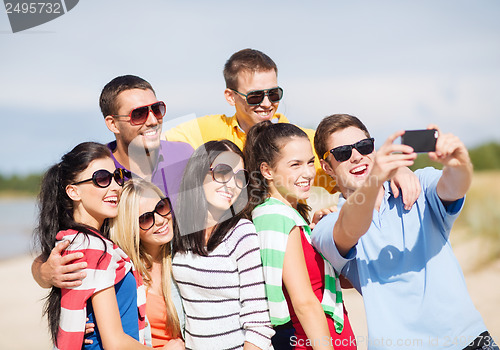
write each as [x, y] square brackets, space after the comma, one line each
[446, 149]
[422, 141]
[457, 171]
[450, 150]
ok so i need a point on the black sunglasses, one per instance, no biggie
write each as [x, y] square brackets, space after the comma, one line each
[256, 97]
[162, 208]
[102, 178]
[343, 153]
[139, 115]
[223, 173]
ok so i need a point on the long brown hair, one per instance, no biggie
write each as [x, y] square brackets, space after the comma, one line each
[56, 213]
[189, 233]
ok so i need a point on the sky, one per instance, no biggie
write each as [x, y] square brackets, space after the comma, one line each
[395, 64]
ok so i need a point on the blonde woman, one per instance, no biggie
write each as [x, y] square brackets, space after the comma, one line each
[144, 229]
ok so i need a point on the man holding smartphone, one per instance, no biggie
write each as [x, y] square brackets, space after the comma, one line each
[400, 260]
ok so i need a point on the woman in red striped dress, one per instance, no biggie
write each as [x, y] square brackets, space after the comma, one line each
[77, 197]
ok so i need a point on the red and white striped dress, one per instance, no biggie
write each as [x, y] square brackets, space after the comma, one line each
[107, 265]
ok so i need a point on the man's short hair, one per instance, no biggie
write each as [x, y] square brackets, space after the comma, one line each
[249, 60]
[331, 124]
[110, 92]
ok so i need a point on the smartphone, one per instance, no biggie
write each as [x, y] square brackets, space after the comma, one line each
[420, 140]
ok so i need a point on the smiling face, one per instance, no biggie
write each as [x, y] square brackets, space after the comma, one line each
[291, 176]
[220, 196]
[92, 204]
[162, 230]
[248, 115]
[350, 174]
[145, 135]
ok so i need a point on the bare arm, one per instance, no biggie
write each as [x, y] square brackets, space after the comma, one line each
[174, 344]
[298, 285]
[356, 214]
[250, 346]
[57, 270]
[457, 170]
[108, 321]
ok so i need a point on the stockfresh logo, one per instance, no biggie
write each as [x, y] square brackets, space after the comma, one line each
[25, 14]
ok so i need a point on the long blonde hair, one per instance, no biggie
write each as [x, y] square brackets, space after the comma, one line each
[125, 232]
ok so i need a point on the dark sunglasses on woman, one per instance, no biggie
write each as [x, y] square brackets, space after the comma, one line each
[256, 97]
[223, 173]
[102, 178]
[162, 208]
[139, 115]
[343, 153]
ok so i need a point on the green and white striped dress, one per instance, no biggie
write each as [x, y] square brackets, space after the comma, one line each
[274, 220]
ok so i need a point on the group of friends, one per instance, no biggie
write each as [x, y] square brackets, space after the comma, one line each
[202, 238]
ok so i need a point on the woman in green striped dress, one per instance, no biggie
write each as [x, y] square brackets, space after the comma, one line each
[302, 287]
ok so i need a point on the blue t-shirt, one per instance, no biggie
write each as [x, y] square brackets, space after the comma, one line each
[413, 288]
[126, 296]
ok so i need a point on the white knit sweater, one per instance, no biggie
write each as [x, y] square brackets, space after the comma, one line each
[223, 293]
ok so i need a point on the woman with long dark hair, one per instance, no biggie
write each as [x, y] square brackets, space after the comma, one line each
[77, 196]
[302, 287]
[216, 260]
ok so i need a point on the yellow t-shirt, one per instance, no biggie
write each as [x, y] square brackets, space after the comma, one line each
[218, 127]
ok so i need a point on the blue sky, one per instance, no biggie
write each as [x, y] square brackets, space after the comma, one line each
[396, 64]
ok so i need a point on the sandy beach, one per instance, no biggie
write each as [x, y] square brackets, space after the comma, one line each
[23, 327]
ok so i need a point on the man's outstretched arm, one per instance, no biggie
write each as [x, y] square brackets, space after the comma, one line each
[356, 214]
[457, 167]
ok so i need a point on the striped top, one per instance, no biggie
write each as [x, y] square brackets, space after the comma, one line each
[223, 293]
[274, 220]
[103, 271]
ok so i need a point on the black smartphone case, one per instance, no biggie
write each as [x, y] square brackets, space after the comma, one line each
[420, 140]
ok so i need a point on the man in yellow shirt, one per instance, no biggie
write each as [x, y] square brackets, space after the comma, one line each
[252, 88]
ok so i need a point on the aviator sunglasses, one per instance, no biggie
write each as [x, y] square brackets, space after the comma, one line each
[343, 153]
[256, 97]
[139, 115]
[102, 178]
[223, 173]
[162, 208]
